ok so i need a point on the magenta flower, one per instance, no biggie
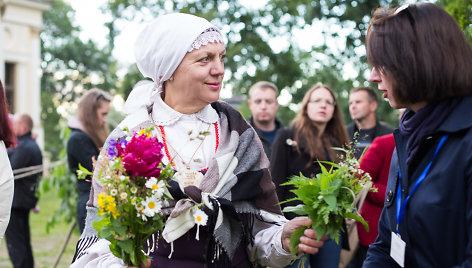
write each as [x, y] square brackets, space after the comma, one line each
[142, 156]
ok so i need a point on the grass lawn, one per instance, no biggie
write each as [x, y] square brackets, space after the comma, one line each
[46, 246]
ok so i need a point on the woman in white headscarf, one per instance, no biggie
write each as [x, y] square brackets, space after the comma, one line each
[183, 55]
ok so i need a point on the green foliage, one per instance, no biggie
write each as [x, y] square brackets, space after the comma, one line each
[63, 182]
[295, 239]
[69, 67]
[461, 10]
[329, 197]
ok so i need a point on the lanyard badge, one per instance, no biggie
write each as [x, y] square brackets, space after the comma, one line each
[398, 246]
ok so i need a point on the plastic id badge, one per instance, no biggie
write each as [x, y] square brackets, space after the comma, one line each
[397, 249]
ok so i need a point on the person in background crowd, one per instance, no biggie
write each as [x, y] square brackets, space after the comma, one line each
[7, 140]
[184, 56]
[25, 154]
[317, 128]
[422, 61]
[363, 102]
[89, 132]
[264, 105]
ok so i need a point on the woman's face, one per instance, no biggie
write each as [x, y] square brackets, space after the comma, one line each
[386, 86]
[320, 108]
[198, 79]
[102, 112]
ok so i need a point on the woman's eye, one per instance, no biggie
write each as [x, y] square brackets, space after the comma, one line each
[205, 59]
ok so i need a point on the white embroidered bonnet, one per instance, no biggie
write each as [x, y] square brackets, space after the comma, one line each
[159, 49]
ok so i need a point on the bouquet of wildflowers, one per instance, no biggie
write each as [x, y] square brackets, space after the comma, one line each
[129, 207]
[329, 198]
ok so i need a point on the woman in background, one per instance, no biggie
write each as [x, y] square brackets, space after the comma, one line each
[89, 132]
[317, 128]
[6, 175]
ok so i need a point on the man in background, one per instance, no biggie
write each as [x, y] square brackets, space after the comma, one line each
[363, 102]
[25, 154]
[263, 105]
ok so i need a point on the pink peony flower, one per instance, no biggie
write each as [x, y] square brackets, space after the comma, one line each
[142, 156]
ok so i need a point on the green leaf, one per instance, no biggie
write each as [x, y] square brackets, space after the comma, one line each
[298, 209]
[126, 245]
[331, 201]
[101, 222]
[357, 218]
[295, 239]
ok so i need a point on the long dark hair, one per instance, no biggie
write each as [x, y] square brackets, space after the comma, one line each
[87, 114]
[306, 133]
[6, 132]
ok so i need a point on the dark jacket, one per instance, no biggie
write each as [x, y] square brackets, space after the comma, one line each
[363, 141]
[80, 150]
[437, 226]
[25, 154]
[265, 143]
[286, 162]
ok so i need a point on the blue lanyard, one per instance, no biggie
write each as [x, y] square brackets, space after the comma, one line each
[401, 207]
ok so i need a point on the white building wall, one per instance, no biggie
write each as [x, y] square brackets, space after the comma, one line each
[20, 26]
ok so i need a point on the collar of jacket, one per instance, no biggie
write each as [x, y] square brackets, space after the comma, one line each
[458, 119]
[24, 136]
[278, 124]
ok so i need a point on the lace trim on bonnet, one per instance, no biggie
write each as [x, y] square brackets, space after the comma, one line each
[211, 35]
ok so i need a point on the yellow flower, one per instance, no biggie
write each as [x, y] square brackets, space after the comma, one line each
[106, 204]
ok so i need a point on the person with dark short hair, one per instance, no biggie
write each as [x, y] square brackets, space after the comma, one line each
[25, 154]
[422, 61]
[363, 102]
[264, 105]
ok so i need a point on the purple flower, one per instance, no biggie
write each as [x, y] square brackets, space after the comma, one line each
[116, 148]
[111, 148]
[142, 156]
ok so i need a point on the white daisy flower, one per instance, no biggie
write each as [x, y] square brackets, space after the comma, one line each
[113, 192]
[151, 182]
[123, 195]
[156, 186]
[200, 217]
[133, 201]
[151, 206]
[122, 177]
[133, 190]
